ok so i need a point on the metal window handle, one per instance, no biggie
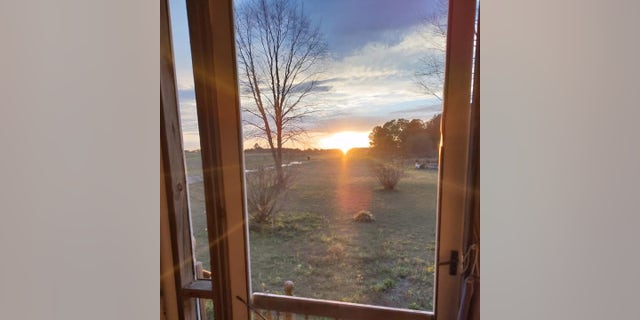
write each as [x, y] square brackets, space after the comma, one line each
[452, 262]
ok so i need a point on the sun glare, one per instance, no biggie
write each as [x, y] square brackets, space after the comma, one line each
[345, 141]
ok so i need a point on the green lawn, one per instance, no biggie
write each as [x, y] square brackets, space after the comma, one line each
[316, 244]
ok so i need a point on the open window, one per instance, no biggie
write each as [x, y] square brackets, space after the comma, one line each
[226, 290]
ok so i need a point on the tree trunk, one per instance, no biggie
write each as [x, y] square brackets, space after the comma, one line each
[278, 168]
[278, 159]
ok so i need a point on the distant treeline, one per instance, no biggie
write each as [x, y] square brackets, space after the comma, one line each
[295, 151]
[407, 138]
[396, 138]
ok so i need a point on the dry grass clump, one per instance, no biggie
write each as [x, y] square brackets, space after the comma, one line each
[335, 251]
[363, 216]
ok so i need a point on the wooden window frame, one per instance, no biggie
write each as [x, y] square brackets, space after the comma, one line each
[210, 25]
[213, 55]
[175, 219]
[456, 164]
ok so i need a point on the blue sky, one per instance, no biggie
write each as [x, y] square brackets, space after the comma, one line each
[375, 47]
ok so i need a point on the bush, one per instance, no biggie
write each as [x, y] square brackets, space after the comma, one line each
[388, 174]
[265, 195]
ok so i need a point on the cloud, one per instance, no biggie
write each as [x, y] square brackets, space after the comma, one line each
[376, 83]
[188, 117]
[351, 123]
[186, 94]
[184, 78]
[428, 109]
[317, 87]
[351, 24]
[190, 141]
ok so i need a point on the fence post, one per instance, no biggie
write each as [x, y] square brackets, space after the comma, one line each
[288, 290]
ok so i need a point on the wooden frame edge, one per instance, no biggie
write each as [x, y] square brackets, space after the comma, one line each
[454, 154]
[216, 87]
[174, 175]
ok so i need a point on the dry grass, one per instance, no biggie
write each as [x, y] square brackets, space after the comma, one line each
[363, 216]
[315, 243]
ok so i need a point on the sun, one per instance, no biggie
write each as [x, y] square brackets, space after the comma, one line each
[345, 141]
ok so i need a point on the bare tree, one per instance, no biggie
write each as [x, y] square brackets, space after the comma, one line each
[430, 75]
[280, 55]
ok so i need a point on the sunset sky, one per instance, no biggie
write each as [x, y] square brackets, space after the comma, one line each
[374, 49]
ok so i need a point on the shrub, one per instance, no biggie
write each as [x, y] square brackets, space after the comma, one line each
[388, 174]
[265, 195]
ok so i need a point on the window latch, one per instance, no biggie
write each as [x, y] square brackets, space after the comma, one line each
[452, 262]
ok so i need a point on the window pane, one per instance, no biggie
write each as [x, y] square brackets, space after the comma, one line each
[190, 133]
[205, 307]
[274, 315]
[341, 110]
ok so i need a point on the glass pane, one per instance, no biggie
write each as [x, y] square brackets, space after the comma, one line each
[341, 105]
[274, 315]
[205, 308]
[190, 133]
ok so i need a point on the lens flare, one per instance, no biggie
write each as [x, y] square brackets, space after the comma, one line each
[345, 141]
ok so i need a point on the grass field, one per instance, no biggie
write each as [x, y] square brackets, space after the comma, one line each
[315, 243]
